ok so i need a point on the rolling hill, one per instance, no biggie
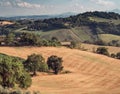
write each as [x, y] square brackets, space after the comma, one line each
[107, 38]
[90, 73]
[89, 27]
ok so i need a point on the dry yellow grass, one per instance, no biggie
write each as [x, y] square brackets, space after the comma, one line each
[91, 73]
[91, 47]
[2, 23]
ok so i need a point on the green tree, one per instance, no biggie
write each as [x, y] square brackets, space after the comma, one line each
[73, 44]
[29, 39]
[45, 42]
[25, 80]
[55, 63]
[11, 70]
[113, 55]
[54, 39]
[34, 63]
[102, 50]
[10, 38]
[118, 55]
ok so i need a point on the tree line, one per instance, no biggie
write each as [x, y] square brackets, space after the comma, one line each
[104, 51]
[29, 39]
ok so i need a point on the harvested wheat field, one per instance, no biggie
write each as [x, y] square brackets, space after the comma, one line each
[91, 48]
[91, 73]
[2, 23]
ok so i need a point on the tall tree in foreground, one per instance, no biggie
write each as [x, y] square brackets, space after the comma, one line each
[11, 72]
[55, 63]
[34, 63]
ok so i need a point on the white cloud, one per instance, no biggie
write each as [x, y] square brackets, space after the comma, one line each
[18, 3]
[28, 5]
[7, 3]
[76, 6]
[104, 2]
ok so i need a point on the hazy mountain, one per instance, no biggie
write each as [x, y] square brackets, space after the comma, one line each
[116, 11]
[67, 14]
[36, 17]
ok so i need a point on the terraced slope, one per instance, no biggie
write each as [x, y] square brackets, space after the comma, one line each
[91, 73]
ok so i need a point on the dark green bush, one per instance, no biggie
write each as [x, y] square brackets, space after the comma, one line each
[102, 50]
[113, 55]
[55, 63]
[118, 55]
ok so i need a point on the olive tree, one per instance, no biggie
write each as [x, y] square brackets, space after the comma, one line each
[34, 63]
[55, 63]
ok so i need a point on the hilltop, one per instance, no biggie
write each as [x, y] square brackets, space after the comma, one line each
[89, 27]
[90, 73]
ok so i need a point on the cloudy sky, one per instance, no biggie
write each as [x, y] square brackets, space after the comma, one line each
[42, 7]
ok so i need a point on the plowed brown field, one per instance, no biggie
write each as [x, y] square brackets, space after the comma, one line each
[91, 73]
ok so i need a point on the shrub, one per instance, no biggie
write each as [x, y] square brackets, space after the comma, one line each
[55, 63]
[102, 50]
[73, 44]
[113, 55]
[9, 91]
[118, 55]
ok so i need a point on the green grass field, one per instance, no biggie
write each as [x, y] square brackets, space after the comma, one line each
[116, 22]
[77, 34]
[84, 33]
[109, 37]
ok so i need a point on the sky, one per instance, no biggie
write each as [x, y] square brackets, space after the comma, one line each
[50, 7]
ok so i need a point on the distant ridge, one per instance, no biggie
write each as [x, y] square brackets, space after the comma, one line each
[96, 27]
[36, 17]
[116, 10]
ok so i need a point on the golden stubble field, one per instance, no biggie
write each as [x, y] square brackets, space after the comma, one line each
[91, 73]
[2, 23]
[91, 47]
